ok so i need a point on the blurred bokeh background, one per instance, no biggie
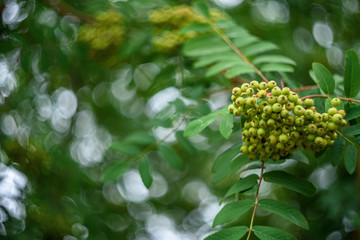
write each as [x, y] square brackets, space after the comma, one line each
[78, 75]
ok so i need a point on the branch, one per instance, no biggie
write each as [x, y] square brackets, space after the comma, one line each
[256, 201]
[327, 96]
[237, 51]
[305, 88]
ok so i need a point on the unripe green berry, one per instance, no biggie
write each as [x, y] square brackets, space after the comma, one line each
[277, 107]
[252, 131]
[309, 114]
[318, 117]
[275, 157]
[299, 102]
[271, 99]
[309, 102]
[261, 94]
[299, 121]
[250, 101]
[244, 149]
[283, 138]
[271, 84]
[342, 113]
[265, 116]
[261, 132]
[247, 124]
[285, 91]
[244, 87]
[237, 112]
[284, 113]
[280, 146]
[271, 122]
[231, 108]
[254, 84]
[310, 137]
[332, 111]
[276, 91]
[236, 91]
[250, 92]
[319, 141]
[240, 101]
[293, 97]
[272, 139]
[337, 118]
[263, 85]
[325, 116]
[286, 129]
[335, 102]
[251, 156]
[277, 131]
[294, 135]
[289, 106]
[263, 104]
[233, 98]
[343, 123]
[267, 109]
[299, 110]
[332, 126]
[290, 120]
[282, 99]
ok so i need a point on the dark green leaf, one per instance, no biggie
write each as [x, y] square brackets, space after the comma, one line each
[352, 74]
[270, 233]
[233, 233]
[276, 67]
[206, 44]
[290, 213]
[352, 113]
[226, 125]
[290, 182]
[337, 151]
[145, 172]
[351, 158]
[196, 27]
[202, 8]
[125, 148]
[196, 126]
[225, 158]
[242, 184]
[171, 157]
[352, 130]
[185, 143]
[140, 138]
[114, 171]
[298, 156]
[324, 77]
[232, 211]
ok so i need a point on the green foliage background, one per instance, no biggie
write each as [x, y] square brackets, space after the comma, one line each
[78, 122]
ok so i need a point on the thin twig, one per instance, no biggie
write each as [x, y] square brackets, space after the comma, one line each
[256, 201]
[305, 88]
[327, 96]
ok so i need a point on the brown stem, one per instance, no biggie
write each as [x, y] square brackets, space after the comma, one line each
[238, 52]
[256, 201]
[305, 88]
[327, 96]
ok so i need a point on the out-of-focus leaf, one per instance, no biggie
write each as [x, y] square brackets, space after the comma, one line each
[224, 65]
[225, 157]
[238, 70]
[145, 172]
[352, 74]
[324, 77]
[352, 130]
[232, 211]
[206, 44]
[226, 125]
[196, 27]
[185, 143]
[298, 156]
[115, 171]
[257, 48]
[290, 213]
[352, 113]
[273, 59]
[270, 233]
[351, 158]
[202, 8]
[140, 138]
[242, 185]
[171, 157]
[337, 151]
[276, 67]
[232, 233]
[196, 126]
[125, 147]
[290, 182]
[210, 59]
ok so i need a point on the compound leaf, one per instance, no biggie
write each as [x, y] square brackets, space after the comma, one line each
[232, 211]
[242, 184]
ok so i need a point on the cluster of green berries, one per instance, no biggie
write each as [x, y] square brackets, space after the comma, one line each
[278, 122]
[106, 32]
[169, 21]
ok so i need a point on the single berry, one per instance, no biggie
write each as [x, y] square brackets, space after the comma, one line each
[261, 94]
[335, 102]
[231, 108]
[236, 91]
[271, 99]
[277, 107]
[276, 91]
[250, 92]
[263, 85]
[309, 102]
[285, 91]
[271, 84]
[254, 84]
[332, 111]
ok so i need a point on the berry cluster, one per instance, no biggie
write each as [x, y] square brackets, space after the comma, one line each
[279, 122]
[169, 21]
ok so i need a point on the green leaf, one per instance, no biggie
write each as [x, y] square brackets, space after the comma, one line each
[202, 8]
[290, 182]
[352, 113]
[232, 211]
[244, 40]
[352, 74]
[270, 233]
[298, 156]
[115, 171]
[273, 59]
[171, 157]
[226, 125]
[223, 65]
[257, 48]
[324, 77]
[290, 213]
[206, 44]
[124, 147]
[196, 126]
[145, 172]
[140, 138]
[210, 59]
[185, 143]
[225, 158]
[352, 130]
[232, 233]
[337, 151]
[276, 67]
[238, 70]
[196, 27]
[242, 184]
[351, 159]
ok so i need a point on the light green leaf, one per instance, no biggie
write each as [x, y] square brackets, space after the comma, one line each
[210, 59]
[244, 40]
[276, 67]
[290, 182]
[352, 130]
[124, 147]
[223, 65]
[257, 48]
[290, 213]
[202, 8]
[324, 77]
[232, 211]
[171, 157]
[351, 159]
[232, 233]
[115, 171]
[270, 233]
[206, 44]
[242, 184]
[140, 138]
[185, 143]
[196, 27]
[273, 59]
[196, 126]
[352, 113]
[145, 172]
[352, 74]
[238, 70]
[337, 151]
[226, 125]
